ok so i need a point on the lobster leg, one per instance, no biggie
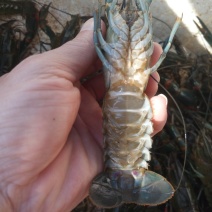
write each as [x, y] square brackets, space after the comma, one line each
[106, 64]
[115, 28]
[107, 47]
[147, 1]
[146, 27]
[97, 26]
[167, 47]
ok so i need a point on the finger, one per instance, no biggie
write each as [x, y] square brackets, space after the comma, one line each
[156, 54]
[78, 57]
[159, 107]
[152, 85]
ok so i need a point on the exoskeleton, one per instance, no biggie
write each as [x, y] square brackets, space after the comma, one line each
[127, 112]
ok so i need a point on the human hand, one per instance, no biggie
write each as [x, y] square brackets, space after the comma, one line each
[51, 127]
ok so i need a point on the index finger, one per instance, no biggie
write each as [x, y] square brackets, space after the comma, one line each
[152, 85]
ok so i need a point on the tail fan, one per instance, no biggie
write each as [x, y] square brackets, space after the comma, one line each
[151, 189]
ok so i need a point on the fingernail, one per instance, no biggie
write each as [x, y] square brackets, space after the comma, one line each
[88, 25]
[166, 100]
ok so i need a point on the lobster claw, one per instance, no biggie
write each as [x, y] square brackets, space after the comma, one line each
[204, 30]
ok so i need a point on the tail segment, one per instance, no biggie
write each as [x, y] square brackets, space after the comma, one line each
[112, 189]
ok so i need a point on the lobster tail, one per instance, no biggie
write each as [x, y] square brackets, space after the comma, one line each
[111, 189]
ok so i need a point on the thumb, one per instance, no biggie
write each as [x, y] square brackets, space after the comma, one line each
[78, 56]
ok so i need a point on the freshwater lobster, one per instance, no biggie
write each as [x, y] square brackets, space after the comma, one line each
[127, 111]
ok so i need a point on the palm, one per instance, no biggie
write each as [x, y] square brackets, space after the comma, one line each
[80, 159]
